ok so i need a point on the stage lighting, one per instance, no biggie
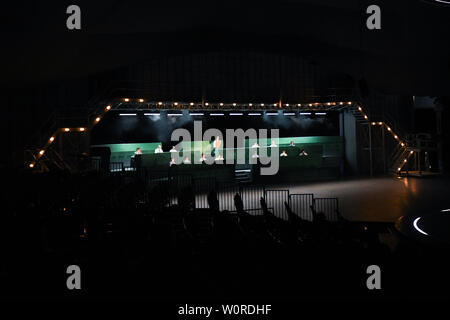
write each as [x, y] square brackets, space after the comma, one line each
[405, 160]
[411, 152]
[160, 103]
[41, 152]
[152, 114]
[341, 103]
[396, 137]
[191, 104]
[366, 117]
[299, 105]
[349, 102]
[206, 104]
[287, 104]
[51, 139]
[275, 104]
[380, 123]
[31, 165]
[176, 103]
[320, 114]
[403, 144]
[235, 114]
[126, 114]
[271, 113]
[174, 114]
[108, 108]
[141, 100]
[373, 123]
[216, 114]
[254, 114]
[81, 129]
[221, 104]
[389, 129]
[126, 100]
[250, 104]
[289, 114]
[97, 119]
[305, 113]
[310, 104]
[66, 129]
[234, 104]
[399, 169]
[359, 108]
[262, 104]
[196, 114]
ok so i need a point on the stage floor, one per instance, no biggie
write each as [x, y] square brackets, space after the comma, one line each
[381, 199]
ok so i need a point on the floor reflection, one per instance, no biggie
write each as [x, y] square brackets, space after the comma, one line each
[383, 199]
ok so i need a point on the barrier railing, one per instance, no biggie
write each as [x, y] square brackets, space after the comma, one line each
[328, 206]
[301, 205]
[276, 199]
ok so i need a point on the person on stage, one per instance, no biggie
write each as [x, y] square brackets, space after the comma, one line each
[216, 146]
[217, 143]
[255, 155]
[172, 162]
[159, 149]
[283, 154]
[273, 144]
[292, 144]
[303, 153]
[138, 151]
[202, 158]
[255, 145]
[186, 160]
[219, 158]
[173, 149]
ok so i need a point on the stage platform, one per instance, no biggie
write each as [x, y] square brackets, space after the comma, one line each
[381, 199]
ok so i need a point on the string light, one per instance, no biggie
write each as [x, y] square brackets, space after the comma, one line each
[31, 165]
[108, 108]
[66, 129]
[141, 100]
[81, 129]
[126, 100]
[97, 119]
[51, 139]
[41, 152]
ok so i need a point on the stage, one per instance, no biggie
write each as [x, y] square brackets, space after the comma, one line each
[381, 199]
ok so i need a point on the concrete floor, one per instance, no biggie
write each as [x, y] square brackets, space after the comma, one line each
[382, 199]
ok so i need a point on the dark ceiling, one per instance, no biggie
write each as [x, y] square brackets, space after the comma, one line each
[409, 55]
